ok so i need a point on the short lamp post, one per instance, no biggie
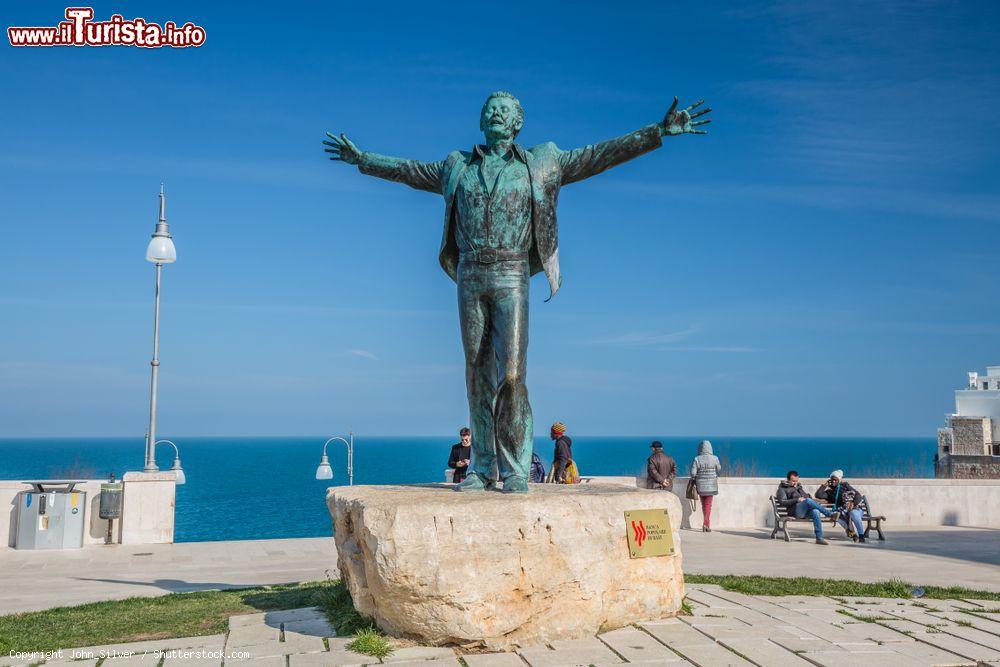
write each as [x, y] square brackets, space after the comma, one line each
[324, 471]
[160, 251]
[176, 467]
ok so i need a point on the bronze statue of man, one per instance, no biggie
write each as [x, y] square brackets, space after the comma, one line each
[499, 230]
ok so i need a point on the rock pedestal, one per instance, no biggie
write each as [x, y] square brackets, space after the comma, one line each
[498, 570]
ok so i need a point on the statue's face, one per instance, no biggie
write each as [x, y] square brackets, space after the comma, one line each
[500, 119]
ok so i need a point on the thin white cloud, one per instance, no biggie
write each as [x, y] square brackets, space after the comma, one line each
[707, 348]
[646, 339]
[365, 354]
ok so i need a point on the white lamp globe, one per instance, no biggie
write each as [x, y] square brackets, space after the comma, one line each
[324, 471]
[176, 469]
[161, 250]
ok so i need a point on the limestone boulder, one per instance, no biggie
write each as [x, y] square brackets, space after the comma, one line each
[498, 570]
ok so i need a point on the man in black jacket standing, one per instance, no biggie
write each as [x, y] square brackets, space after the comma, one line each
[461, 453]
[799, 504]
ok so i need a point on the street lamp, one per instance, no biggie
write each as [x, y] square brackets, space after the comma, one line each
[324, 471]
[160, 251]
[176, 467]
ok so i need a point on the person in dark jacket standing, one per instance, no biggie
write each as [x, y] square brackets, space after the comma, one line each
[800, 504]
[845, 499]
[461, 454]
[563, 452]
[660, 468]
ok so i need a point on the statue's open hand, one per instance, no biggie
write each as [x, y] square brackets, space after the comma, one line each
[342, 148]
[683, 121]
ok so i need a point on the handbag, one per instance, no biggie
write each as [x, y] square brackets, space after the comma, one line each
[691, 493]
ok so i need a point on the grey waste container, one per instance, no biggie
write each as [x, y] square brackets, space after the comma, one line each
[51, 515]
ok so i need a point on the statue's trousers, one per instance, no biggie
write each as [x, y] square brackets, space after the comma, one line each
[493, 311]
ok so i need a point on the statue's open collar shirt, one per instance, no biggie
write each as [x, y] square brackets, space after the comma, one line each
[494, 215]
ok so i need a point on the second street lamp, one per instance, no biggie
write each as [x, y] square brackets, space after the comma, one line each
[160, 251]
[324, 471]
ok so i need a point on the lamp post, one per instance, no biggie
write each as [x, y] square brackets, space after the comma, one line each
[160, 251]
[176, 467]
[324, 471]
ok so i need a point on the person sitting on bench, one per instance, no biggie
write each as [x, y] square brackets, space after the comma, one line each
[846, 500]
[798, 503]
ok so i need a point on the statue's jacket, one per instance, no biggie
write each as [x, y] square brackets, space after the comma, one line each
[549, 168]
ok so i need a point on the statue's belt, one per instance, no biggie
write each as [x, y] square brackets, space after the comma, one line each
[492, 255]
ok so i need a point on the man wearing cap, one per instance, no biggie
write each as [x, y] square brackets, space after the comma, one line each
[660, 468]
[563, 454]
[844, 497]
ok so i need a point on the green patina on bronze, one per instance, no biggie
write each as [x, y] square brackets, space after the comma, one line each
[499, 230]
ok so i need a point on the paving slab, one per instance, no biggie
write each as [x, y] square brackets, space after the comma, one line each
[764, 652]
[333, 658]
[564, 653]
[315, 627]
[444, 662]
[879, 659]
[637, 646]
[270, 661]
[674, 633]
[931, 655]
[251, 635]
[420, 653]
[493, 660]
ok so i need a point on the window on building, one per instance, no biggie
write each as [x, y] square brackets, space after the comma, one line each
[996, 450]
[946, 448]
[986, 385]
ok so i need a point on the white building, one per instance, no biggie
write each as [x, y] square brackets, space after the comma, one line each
[970, 441]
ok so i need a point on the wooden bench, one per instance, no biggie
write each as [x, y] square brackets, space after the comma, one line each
[782, 517]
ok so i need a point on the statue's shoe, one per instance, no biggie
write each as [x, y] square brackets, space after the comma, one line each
[515, 485]
[475, 482]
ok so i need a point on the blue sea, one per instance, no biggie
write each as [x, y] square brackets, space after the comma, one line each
[261, 487]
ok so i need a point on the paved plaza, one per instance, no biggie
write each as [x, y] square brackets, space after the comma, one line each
[724, 629]
[32, 580]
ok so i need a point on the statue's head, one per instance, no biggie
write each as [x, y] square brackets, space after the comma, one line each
[502, 116]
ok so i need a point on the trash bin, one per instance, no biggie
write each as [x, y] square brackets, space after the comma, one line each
[51, 515]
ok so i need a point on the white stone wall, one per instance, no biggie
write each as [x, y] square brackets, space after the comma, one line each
[147, 510]
[743, 501]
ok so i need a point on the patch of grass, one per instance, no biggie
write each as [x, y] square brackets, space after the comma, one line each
[686, 608]
[336, 603]
[964, 623]
[894, 588]
[144, 618]
[370, 641]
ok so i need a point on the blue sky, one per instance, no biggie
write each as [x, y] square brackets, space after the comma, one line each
[825, 262]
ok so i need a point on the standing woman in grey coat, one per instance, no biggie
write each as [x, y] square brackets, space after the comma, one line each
[705, 472]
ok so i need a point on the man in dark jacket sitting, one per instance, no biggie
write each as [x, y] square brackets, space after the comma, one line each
[799, 504]
[660, 468]
[846, 500]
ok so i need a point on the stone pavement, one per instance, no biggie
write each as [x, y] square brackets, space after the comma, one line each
[724, 629]
[32, 580]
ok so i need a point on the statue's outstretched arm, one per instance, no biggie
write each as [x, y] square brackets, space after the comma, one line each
[420, 175]
[588, 161]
